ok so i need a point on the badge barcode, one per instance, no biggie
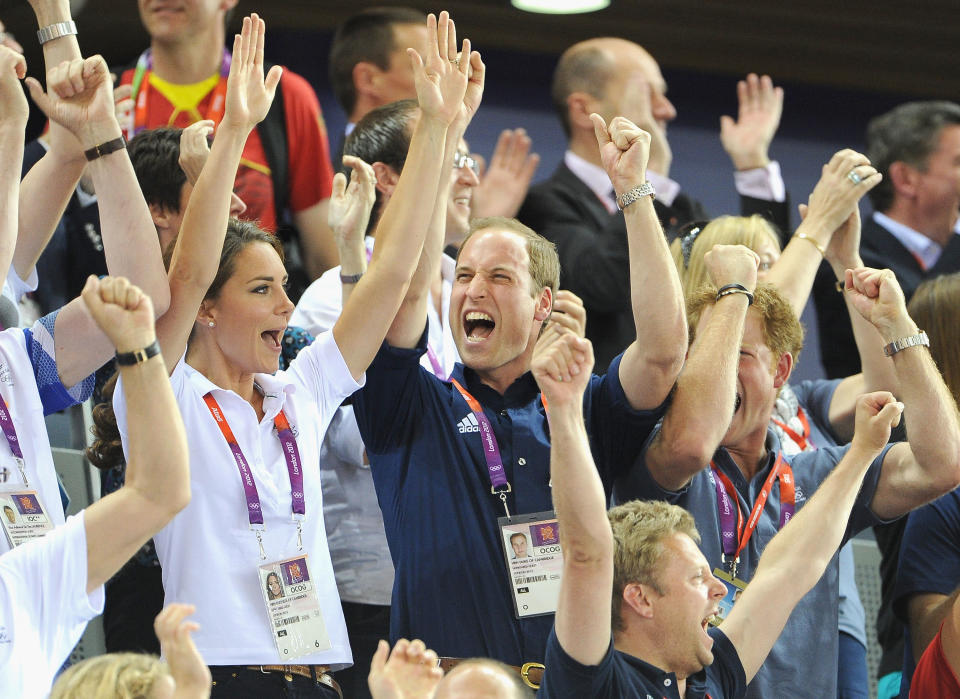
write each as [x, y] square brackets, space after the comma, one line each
[531, 579]
[288, 620]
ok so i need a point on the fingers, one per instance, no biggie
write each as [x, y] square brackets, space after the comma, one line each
[379, 658]
[569, 312]
[891, 413]
[168, 622]
[339, 186]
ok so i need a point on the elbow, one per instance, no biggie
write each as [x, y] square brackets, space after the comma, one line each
[178, 501]
[587, 552]
[160, 297]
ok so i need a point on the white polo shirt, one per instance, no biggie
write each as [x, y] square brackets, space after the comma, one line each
[44, 608]
[31, 388]
[208, 553]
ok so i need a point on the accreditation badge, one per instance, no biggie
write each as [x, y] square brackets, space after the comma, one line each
[531, 544]
[735, 586]
[293, 608]
[23, 516]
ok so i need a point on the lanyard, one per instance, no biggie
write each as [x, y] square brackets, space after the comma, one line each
[438, 369]
[141, 80]
[731, 520]
[291, 455]
[499, 485]
[802, 439]
[10, 432]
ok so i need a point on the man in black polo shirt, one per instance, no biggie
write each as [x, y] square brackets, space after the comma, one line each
[652, 636]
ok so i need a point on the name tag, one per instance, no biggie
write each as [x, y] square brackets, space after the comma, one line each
[735, 586]
[293, 608]
[531, 545]
[23, 516]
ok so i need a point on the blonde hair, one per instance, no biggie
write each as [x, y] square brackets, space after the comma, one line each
[639, 529]
[782, 331]
[751, 231]
[935, 307]
[111, 676]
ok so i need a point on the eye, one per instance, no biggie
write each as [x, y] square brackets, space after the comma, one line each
[764, 266]
[463, 276]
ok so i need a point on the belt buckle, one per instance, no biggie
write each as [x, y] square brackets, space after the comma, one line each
[525, 673]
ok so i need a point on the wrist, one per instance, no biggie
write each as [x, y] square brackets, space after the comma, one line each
[749, 161]
[862, 451]
[95, 134]
[49, 13]
[897, 330]
[135, 345]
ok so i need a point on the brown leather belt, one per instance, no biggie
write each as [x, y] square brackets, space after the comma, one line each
[320, 673]
[530, 673]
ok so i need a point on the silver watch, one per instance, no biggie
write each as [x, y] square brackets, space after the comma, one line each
[912, 341]
[641, 190]
[55, 31]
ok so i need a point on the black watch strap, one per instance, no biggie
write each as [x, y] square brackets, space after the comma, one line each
[138, 356]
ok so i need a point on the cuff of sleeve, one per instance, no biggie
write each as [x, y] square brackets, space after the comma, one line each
[667, 189]
[762, 183]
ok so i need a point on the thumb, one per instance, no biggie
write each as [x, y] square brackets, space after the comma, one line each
[600, 129]
[891, 412]
[339, 186]
[91, 293]
[726, 123]
[803, 209]
[39, 97]
[272, 80]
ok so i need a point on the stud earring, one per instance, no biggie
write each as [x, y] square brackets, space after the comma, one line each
[211, 324]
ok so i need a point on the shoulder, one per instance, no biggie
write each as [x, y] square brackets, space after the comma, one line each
[296, 86]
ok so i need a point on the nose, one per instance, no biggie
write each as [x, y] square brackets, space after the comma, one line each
[286, 305]
[467, 177]
[719, 590]
[237, 205]
[477, 287]
[663, 109]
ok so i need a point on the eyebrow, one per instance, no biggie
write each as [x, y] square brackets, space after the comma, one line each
[267, 278]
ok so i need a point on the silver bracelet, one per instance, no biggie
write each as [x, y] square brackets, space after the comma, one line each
[55, 31]
[912, 341]
[641, 190]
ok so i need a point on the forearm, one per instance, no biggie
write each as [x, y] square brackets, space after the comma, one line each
[130, 242]
[316, 239]
[691, 434]
[158, 465]
[11, 145]
[44, 194]
[657, 297]
[925, 624]
[197, 253]
[578, 495]
[800, 552]
[793, 274]
[930, 411]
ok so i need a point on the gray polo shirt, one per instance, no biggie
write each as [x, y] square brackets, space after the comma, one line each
[803, 662]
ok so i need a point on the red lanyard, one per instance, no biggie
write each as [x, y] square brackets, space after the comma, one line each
[799, 439]
[728, 503]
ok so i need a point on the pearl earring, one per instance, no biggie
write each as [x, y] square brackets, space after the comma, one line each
[211, 324]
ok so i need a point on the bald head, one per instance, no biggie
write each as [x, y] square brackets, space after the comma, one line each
[591, 66]
[482, 679]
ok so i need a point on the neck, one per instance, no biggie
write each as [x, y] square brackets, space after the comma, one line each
[649, 650]
[937, 225]
[501, 378]
[750, 454]
[585, 145]
[191, 60]
[211, 363]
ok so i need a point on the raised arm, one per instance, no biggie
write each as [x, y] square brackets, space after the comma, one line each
[350, 207]
[48, 186]
[80, 99]
[561, 365]
[649, 368]
[411, 318]
[797, 556]
[196, 256]
[747, 140]
[442, 83]
[13, 120]
[928, 465]
[505, 181]
[827, 217]
[158, 475]
[689, 435]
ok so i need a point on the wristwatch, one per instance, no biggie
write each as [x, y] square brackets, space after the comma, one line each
[911, 341]
[641, 190]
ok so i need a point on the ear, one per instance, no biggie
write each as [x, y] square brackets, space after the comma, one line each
[387, 178]
[364, 76]
[227, 5]
[904, 178]
[639, 598]
[579, 107]
[161, 216]
[206, 313]
[544, 305]
[783, 369]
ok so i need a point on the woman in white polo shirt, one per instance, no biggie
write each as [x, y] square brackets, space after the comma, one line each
[255, 436]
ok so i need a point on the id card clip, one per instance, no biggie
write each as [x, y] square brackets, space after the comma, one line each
[298, 518]
[502, 494]
[731, 562]
[258, 529]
